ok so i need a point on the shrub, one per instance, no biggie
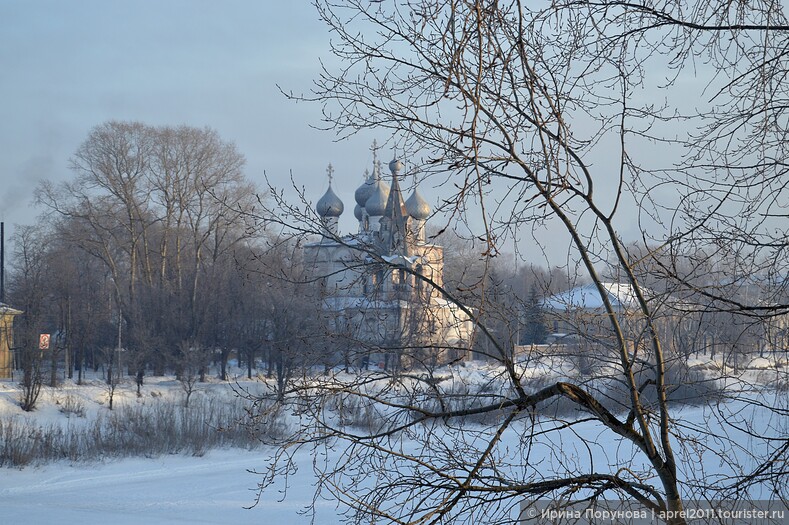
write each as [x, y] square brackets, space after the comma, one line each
[160, 427]
[71, 405]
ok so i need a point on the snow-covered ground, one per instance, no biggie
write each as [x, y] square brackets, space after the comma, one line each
[214, 489]
[217, 486]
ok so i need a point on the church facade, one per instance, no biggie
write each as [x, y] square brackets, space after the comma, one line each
[381, 285]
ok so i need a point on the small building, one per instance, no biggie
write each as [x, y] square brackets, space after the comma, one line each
[381, 284]
[581, 308]
[578, 317]
[7, 315]
[695, 325]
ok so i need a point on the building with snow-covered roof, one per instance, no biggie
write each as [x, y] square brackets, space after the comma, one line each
[578, 317]
[380, 283]
[693, 324]
[589, 298]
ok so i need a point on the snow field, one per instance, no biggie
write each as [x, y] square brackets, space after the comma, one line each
[188, 476]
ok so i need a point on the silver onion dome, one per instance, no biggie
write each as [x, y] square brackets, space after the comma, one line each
[376, 204]
[330, 204]
[364, 191]
[417, 207]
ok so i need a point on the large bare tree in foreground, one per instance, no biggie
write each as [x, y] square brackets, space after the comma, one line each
[583, 116]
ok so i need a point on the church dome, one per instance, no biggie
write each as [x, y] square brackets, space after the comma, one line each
[364, 191]
[357, 212]
[329, 205]
[417, 207]
[376, 204]
[396, 166]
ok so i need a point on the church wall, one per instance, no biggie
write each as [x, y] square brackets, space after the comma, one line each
[433, 261]
[340, 267]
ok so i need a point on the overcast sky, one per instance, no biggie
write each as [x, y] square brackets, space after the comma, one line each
[69, 66]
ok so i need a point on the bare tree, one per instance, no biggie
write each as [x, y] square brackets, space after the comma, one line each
[294, 333]
[191, 367]
[161, 210]
[29, 289]
[514, 106]
[111, 358]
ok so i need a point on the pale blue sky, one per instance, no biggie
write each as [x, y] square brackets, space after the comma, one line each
[69, 66]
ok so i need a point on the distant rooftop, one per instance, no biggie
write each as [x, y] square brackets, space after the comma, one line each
[621, 296]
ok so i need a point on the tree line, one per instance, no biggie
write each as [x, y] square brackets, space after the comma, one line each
[144, 261]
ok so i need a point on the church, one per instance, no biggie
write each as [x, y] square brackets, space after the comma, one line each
[381, 285]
